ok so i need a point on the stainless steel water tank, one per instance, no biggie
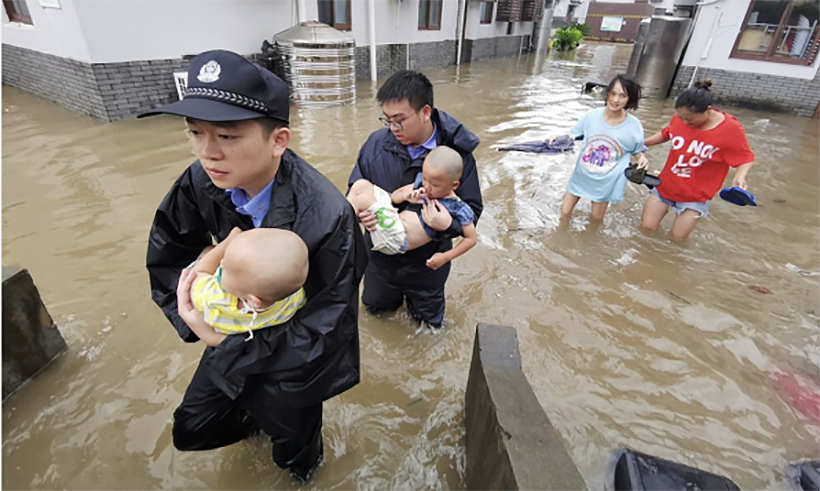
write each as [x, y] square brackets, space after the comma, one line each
[637, 48]
[660, 54]
[319, 64]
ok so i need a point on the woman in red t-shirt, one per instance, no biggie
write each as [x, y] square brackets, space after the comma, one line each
[706, 142]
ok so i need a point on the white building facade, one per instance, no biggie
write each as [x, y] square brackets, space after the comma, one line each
[114, 59]
[759, 54]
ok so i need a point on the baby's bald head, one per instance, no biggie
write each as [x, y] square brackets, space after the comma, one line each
[269, 263]
[446, 160]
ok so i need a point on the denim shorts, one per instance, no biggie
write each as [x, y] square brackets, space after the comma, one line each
[680, 206]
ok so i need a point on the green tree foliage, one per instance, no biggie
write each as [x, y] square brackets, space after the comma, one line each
[567, 39]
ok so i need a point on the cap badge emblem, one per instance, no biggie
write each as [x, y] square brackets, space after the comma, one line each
[209, 72]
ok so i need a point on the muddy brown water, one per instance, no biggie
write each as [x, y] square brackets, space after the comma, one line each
[627, 340]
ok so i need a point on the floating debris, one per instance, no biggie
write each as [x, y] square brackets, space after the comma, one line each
[593, 88]
[801, 272]
[802, 392]
[780, 200]
[679, 297]
[759, 289]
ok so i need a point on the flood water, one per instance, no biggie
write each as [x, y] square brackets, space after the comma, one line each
[627, 340]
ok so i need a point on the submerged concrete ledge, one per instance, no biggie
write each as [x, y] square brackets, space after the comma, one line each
[30, 338]
[510, 442]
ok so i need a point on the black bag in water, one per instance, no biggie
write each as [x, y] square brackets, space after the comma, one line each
[804, 476]
[637, 471]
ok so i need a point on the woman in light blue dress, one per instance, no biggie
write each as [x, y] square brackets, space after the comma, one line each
[610, 137]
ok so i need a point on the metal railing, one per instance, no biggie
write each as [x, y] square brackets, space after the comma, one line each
[771, 29]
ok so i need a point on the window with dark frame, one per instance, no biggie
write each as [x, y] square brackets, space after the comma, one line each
[17, 10]
[430, 15]
[780, 31]
[532, 10]
[487, 12]
[335, 13]
[509, 11]
[519, 11]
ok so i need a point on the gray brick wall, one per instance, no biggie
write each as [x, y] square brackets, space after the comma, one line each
[389, 59]
[440, 54]
[67, 82]
[500, 47]
[114, 91]
[108, 91]
[756, 91]
[130, 88]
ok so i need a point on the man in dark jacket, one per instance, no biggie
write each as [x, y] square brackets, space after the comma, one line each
[245, 176]
[391, 158]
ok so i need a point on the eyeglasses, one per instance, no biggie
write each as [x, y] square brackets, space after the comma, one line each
[395, 125]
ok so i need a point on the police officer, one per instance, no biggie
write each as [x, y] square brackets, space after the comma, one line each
[236, 113]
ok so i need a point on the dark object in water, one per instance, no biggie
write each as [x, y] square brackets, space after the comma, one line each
[592, 86]
[637, 471]
[562, 144]
[759, 289]
[679, 297]
[780, 200]
[804, 476]
[639, 176]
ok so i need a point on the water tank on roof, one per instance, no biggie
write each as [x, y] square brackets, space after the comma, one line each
[319, 64]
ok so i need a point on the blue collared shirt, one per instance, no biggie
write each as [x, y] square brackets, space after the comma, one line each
[255, 208]
[424, 147]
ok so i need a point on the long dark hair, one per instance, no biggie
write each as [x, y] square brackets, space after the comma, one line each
[697, 98]
[632, 89]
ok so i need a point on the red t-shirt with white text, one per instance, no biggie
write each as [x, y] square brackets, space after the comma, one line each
[699, 160]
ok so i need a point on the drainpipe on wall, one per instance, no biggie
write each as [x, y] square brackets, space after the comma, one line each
[301, 11]
[706, 48]
[371, 31]
[398, 37]
[544, 30]
[461, 31]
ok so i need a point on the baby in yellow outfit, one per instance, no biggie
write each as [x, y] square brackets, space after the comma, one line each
[251, 280]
